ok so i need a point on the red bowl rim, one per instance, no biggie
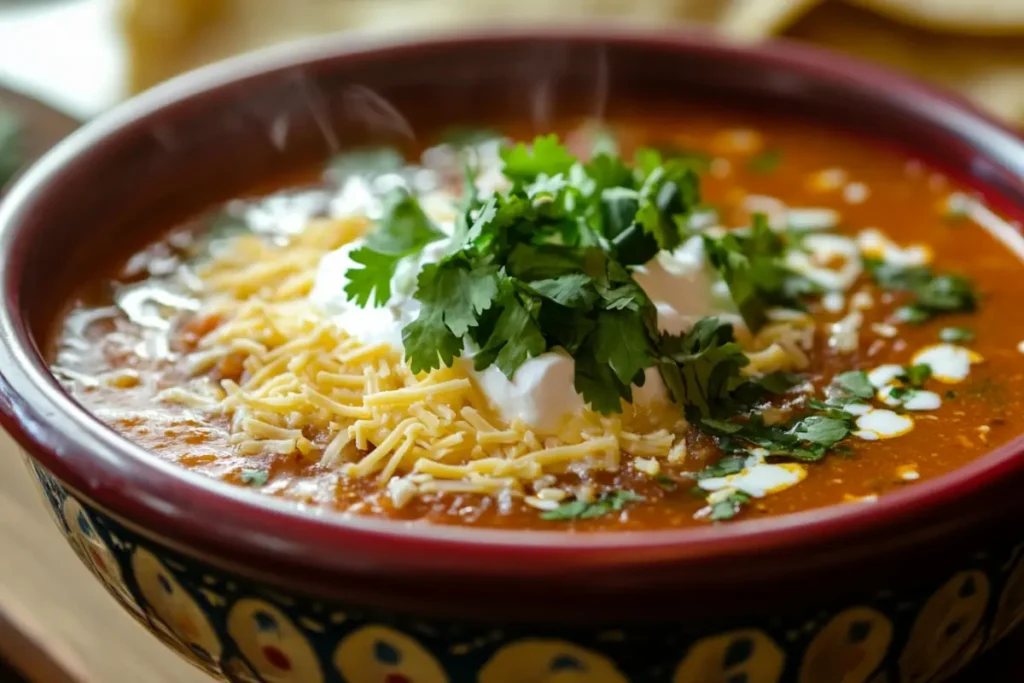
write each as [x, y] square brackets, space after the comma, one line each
[177, 504]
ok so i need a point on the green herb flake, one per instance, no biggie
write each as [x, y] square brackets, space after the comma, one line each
[367, 161]
[956, 335]
[950, 394]
[934, 294]
[855, 383]
[730, 507]
[607, 503]
[916, 375]
[765, 162]
[255, 478]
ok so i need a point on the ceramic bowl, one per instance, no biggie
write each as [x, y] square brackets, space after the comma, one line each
[252, 589]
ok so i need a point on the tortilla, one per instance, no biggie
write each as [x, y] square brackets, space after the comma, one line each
[988, 70]
[982, 17]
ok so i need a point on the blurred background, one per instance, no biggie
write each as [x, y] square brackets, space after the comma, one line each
[81, 57]
[84, 55]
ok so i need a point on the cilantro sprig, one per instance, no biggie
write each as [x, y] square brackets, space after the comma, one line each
[546, 264]
[933, 293]
[607, 503]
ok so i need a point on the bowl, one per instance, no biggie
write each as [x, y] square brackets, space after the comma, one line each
[253, 589]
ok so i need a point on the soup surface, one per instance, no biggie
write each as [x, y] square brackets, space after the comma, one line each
[661, 323]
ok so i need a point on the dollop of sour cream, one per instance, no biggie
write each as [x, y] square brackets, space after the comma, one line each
[541, 393]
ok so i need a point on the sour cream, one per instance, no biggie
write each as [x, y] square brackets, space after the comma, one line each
[542, 391]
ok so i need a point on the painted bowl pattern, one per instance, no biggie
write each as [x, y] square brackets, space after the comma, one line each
[247, 632]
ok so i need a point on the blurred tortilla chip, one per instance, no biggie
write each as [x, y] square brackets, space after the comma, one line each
[989, 70]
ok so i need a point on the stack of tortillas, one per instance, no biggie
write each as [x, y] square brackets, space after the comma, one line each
[974, 46]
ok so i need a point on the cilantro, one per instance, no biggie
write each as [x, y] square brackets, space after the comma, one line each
[728, 508]
[730, 464]
[916, 375]
[403, 231]
[12, 153]
[766, 162]
[950, 394]
[752, 267]
[614, 501]
[621, 342]
[516, 336]
[366, 161]
[702, 368]
[956, 335]
[806, 439]
[821, 430]
[466, 136]
[429, 344]
[934, 294]
[546, 157]
[855, 383]
[255, 478]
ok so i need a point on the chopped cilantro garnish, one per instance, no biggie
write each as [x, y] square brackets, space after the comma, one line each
[702, 368]
[956, 335]
[11, 146]
[730, 464]
[916, 375]
[751, 265]
[807, 438]
[255, 478]
[607, 503]
[765, 162]
[855, 383]
[933, 293]
[403, 231]
[367, 161]
[728, 508]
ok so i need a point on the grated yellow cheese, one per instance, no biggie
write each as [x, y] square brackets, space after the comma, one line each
[311, 390]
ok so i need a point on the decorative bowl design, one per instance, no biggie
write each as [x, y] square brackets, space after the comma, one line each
[903, 591]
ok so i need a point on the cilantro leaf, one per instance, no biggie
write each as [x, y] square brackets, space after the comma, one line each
[404, 227]
[730, 464]
[956, 335]
[702, 368]
[515, 338]
[607, 503]
[366, 161]
[461, 292]
[575, 290]
[916, 375]
[428, 342]
[752, 267]
[855, 383]
[730, 507]
[821, 430]
[546, 156]
[934, 294]
[621, 341]
[254, 478]
[402, 231]
[467, 136]
[373, 279]
[667, 198]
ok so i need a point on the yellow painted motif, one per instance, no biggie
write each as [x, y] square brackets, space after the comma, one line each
[174, 607]
[549, 661]
[274, 647]
[848, 649]
[748, 654]
[1011, 603]
[373, 654]
[947, 632]
[91, 549]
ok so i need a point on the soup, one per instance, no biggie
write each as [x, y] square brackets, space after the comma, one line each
[659, 323]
